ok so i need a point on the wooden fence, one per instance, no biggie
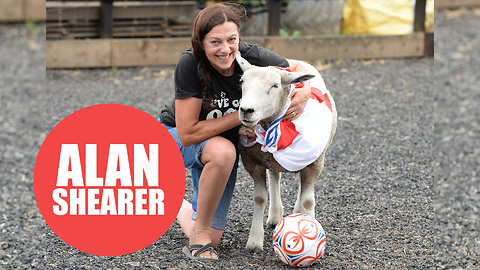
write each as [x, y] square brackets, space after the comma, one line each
[136, 50]
[165, 51]
[71, 20]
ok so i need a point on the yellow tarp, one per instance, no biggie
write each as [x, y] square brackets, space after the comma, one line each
[379, 17]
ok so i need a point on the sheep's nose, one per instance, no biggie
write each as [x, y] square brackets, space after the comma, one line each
[246, 112]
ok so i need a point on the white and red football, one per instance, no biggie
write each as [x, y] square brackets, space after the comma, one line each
[299, 240]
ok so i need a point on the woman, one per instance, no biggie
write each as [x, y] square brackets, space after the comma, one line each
[203, 119]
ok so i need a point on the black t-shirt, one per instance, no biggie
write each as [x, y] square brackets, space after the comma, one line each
[226, 89]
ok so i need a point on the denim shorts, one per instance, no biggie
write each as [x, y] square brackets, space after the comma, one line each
[191, 159]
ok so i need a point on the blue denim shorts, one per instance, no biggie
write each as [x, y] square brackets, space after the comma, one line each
[191, 159]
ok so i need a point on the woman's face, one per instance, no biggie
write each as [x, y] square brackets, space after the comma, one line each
[221, 47]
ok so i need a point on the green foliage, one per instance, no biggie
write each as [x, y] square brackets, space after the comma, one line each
[249, 2]
[115, 71]
[32, 27]
[285, 33]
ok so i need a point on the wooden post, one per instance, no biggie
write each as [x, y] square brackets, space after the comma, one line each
[106, 19]
[274, 8]
[419, 21]
[419, 26]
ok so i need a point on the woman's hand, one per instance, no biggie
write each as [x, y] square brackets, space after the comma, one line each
[251, 136]
[299, 98]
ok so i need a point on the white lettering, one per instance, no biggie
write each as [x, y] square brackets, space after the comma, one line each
[147, 164]
[108, 202]
[62, 207]
[236, 103]
[118, 155]
[140, 201]
[77, 200]
[88, 199]
[92, 201]
[155, 200]
[125, 197]
[214, 114]
[69, 155]
[91, 178]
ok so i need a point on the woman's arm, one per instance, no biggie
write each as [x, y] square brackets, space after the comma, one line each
[190, 130]
[299, 96]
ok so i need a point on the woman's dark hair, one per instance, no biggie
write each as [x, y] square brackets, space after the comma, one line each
[208, 18]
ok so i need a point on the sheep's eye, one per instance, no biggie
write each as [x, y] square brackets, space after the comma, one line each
[275, 85]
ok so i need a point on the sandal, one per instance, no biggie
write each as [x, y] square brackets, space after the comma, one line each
[187, 250]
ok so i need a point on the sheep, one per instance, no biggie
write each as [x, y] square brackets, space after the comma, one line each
[265, 92]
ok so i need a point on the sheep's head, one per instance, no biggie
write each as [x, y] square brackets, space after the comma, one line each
[265, 91]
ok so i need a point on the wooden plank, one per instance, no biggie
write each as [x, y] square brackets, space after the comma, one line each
[153, 10]
[161, 22]
[456, 3]
[22, 10]
[35, 10]
[53, 25]
[78, 53]
[146, 52]
[346, 47]
[166, 51]
[83, 35]
[87, 12]
[121, 10]
[72, 4]
[11, 10]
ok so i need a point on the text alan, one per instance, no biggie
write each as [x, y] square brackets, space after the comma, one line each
[92, 195]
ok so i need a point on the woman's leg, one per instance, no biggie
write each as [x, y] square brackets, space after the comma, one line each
[218, 157]
[187, 215]
[185, 220]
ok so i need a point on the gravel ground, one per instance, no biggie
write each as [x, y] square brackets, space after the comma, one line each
[22, 130]
[375, 198]
[457, 139]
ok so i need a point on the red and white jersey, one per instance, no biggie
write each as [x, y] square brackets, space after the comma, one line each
[296, 144]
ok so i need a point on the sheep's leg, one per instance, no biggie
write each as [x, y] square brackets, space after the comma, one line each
[275, 210]
[306, 191]
[255, 239]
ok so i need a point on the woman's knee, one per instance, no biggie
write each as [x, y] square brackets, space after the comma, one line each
[219, 151]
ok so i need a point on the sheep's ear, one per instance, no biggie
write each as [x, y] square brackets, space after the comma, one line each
[244, 64]
[295, 77]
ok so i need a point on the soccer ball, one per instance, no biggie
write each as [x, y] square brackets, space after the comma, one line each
[299, 240]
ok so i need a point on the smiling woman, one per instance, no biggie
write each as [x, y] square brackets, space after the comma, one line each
[203, 119]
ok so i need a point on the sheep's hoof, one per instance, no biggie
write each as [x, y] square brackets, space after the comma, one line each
[272, 224]
[273, 221]
[255, 248]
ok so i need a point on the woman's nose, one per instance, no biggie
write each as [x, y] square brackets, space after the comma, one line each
[225, 47]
